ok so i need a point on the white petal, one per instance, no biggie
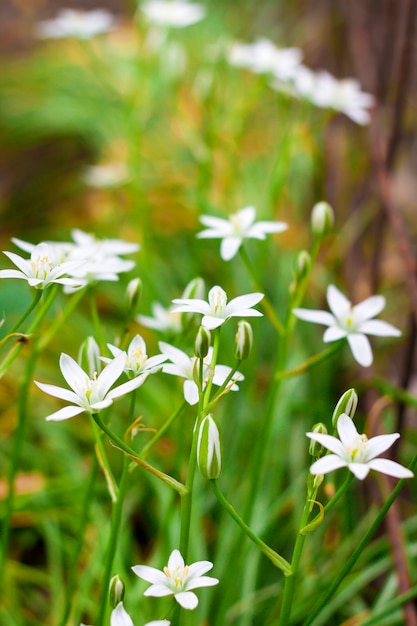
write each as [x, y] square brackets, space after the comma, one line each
[386, 466]
[369, 308]
[190, 305]
[245, 217]
[158, 591]
[378, 445]
[361, 349]
[338, 303]
[22, 264]
[122, 390]
[360, 470]
[12, 274]
[199, 568]
[346, 430]
[317, 317]
[261, 229]
[187, 599]
[328, 441]
[333, 333]
[72, 372]
[110, 374]
[175, 560]
[190, 392]
[223, 227]
[59, 392]
[65, 413]
[327, 464]
[229, 247]
[211, 322]
[379, 328]
[158, 622]
[177, 356]
[243, 302]
[120, 617]
[150, 574]
[202, 581]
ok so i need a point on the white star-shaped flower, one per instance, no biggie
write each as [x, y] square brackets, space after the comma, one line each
[217, 310]
[77, 24]
[263, 56]
[356, 452]
[352, 322]
[163, 319]
[177, 579]
[184, 366]
[233, 231]
[137, 362]
[120, 617]
[173, 13]
[89, 395]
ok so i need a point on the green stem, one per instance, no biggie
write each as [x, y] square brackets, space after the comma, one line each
[358, 550]
[56, 325]
[221, 389]
[311, 362]
[146, 449]
[35, 302]
[265, 303]
[96, 321]
[104, 461]
[276, 559]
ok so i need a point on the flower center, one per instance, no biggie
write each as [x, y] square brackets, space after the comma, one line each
[217, 299]
[138, 358]
[90, 384]
[358, 448]
[41, 266]
[177, 577]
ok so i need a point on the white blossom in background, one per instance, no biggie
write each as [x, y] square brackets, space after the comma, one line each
[163, 319]
[236, 229]
[106, 175]
[263, 57]
[177, 579]
[325, 91]
[77, 24]
[217, 310]
[351, 321]
[356, 452]
[89, 395]
[173, 13]
[137, 362]
[120, 617]
[44, 267]
[184, 366]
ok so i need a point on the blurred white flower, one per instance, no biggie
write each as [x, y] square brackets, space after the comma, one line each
[352, 322]
[184, 366]
[89, 395]
[137, 362]
[120, 617]
[173, 13]
[233, 231]
[263, 57]
[77, 24]
[106, 175]
[217, 310]
[356, 452]
[163, 319]
[44, 267]
[324, 90]
[177, 579]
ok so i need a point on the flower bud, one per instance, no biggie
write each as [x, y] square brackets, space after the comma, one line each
[89, 357]
[322, 219]
[116, 591]
[134, 293]
[195, 289]
[209, 449]
[347, 404]
[202, 343]
[315, 448]
[243, 340]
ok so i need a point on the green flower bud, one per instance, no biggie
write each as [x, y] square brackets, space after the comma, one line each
[89, 357]
[315, 448]
[202, 343]
[134, 293]
[209, 449]
[347, 404]
[302, 266]
[195, 289]
[322, 219]
[116, 591]
[243, 340]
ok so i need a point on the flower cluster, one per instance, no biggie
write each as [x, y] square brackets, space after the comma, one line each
[173, 13]
[76, 24]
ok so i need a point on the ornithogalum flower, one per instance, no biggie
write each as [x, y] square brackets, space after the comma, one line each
[137, 362]
[263, 56]
[44, 267]
[120, 617]
[184, 366]
[163, 319]
[173, 13]
[77, 24]
[352, 322]
[177, 579]
[217, 310]
[236, 229]
[356, 452]
[89, 395]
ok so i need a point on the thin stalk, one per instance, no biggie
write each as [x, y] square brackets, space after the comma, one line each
[104, 461]
[311, 362]
[25, 315]
[146, 449]
[96, 321]
[54, 327]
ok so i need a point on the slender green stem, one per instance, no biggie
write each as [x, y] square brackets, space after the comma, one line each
[276, 559]
[376, 618]
[358, 550]
[96, 321]
[265, 303]
[25, 315]
[311, 362]
[54, 327]
[73, 574]
[216, 345]
[104, 461]
[146, 449]
[221, 389]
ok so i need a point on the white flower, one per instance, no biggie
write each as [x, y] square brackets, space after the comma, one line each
[352, 322]
[137, 362]
[177, 579]
[184, 366]
[239, 226]
[173, 13]
[356, 452]
[217, 311]
[120, 617]
[88, 394]
[263, 56]
[163, 319]
[78, 24]
[324, 90]
[44, 267]
[106, 175]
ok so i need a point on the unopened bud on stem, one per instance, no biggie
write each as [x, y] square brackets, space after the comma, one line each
[202, 343]
[134, 293]
[209, 449]
[347, 404]
[116, 591]
[243, 340]
[322, 219]
[315, 448]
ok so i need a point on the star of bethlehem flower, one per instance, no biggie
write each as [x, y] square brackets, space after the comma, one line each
[120, 617]
[163, 319]
[137, 362]
[77, 24]
[44, 268]
[89, 395]
[351, 321]
[177, 579]
[217, 310]
[356, 452]
[233, 231]
[263, 57]
[184, 366]
[173, 13]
